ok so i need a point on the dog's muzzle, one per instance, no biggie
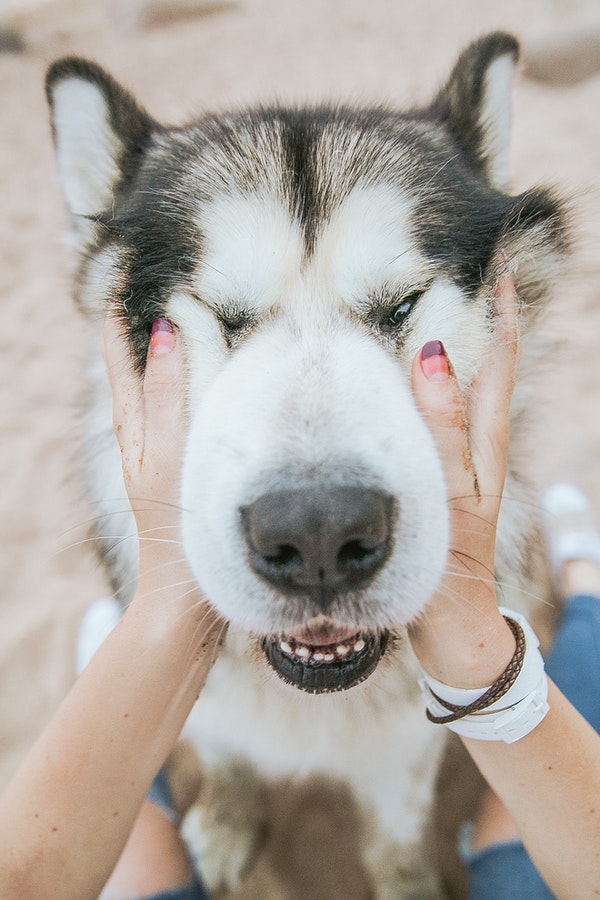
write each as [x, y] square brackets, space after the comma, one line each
[320, 544]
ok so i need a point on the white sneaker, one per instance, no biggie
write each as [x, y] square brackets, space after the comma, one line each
[569, 524]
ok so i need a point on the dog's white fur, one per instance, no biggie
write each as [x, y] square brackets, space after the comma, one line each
[363, 425]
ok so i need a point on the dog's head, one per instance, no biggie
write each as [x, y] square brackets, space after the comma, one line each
[305, 256]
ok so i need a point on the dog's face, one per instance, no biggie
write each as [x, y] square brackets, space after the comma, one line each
[306, 256]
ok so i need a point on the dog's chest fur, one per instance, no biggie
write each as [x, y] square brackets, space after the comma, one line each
[305, 255]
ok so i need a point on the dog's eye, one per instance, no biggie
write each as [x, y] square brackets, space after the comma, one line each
[393, 317]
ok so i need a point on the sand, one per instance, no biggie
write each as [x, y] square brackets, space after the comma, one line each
[180, 58]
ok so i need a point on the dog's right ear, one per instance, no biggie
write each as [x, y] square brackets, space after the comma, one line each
[476, 104]
[100, 134]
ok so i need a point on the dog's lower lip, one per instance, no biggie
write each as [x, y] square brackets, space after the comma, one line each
[324, 668]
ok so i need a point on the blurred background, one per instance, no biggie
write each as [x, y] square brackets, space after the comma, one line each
[180, 58]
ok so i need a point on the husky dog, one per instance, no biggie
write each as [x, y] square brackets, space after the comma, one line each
[305, 255]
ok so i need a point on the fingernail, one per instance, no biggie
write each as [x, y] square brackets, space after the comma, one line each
[162, 338]
[434, 362]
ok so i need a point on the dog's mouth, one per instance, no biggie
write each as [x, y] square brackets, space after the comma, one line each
[322, 659]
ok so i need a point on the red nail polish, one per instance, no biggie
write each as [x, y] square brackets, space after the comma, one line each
[162, 338]
[434, 361]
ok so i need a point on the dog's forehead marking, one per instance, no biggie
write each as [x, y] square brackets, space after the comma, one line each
[254, 254]
[368, 244]
[251, 247]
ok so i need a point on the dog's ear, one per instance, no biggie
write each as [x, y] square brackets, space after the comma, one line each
[100, 134]
[476, 104]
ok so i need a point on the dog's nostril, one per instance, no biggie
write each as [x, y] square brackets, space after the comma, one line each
[319, 540]
[355, 556]
[284, 555]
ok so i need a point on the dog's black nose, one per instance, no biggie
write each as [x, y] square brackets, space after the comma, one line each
[317, 541]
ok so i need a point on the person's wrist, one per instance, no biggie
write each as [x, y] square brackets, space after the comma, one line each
[166, 588]
[168, 617]
[467, 651]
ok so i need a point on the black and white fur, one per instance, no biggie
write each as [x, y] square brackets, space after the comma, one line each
[305, 255]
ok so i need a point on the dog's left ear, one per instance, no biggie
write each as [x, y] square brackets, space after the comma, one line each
[476, 104]
[101, 136]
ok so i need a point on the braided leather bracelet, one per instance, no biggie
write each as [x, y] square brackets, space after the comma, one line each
[507, 710]
[498, 689]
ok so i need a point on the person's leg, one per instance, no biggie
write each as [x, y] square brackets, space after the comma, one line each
[154, 861]
[574, 661]
[499, 866]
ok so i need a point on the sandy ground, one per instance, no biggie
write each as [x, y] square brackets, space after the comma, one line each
[179, 58]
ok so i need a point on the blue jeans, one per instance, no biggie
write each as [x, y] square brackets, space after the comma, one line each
[505, 871]
[194, 891]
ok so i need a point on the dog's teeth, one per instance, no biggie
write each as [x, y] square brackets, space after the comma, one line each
[322, 655]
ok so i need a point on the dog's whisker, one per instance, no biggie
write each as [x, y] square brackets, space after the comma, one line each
[501, 584]
[472, 531]
[523, 592]
[170, 586]
[221, 635]
[454, 596]
[99, 517]
[153, 540]
[209, 612]
[118, 539]
[469, 576]
[474, 514]
[464, 558]
[506, 498]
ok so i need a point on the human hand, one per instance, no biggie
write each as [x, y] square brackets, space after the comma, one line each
[150, 425]
[148, 418]
[461, 639]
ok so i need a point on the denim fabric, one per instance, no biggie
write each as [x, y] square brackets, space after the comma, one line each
[194, 891]
[505, 872]
[573, 664]
[160, 795]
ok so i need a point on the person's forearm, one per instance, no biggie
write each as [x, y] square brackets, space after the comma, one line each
[550, 783]
[462, 644]
[549, 780]
[67, 814]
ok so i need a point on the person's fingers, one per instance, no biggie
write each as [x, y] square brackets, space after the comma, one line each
[472, 438]
[442, 406]
[489, 406]
[126, 389]
[163, 402]
[147, 411]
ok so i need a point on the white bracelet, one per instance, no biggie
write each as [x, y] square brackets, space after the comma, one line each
[513, 715]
